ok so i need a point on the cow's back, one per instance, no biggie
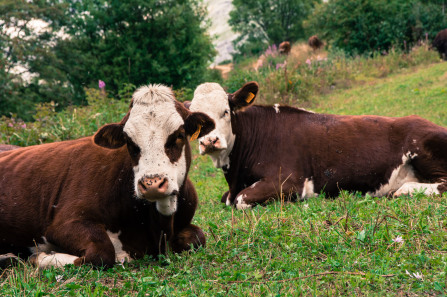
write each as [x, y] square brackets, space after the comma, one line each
[44, 182]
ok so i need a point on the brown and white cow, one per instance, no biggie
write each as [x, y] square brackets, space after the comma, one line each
[265, 149]
[118, 195]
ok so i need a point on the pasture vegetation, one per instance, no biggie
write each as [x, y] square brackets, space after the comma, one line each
[350, 245]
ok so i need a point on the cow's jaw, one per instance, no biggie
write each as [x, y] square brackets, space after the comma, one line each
[152, 120]
[211, 99]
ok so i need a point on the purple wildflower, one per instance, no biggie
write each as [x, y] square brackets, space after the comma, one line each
[101, 84]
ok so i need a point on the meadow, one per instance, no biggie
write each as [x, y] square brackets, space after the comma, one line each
[351, 245]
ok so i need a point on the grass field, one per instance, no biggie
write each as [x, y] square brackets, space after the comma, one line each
[351, 245]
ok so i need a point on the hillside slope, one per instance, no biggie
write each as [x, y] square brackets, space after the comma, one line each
[421, 91]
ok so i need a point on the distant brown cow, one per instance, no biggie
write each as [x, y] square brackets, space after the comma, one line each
[284, 48]
[314, 42]
[263, 150]
[116, 196]
[440, 43]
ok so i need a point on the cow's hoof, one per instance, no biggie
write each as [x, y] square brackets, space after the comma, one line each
[8, 260]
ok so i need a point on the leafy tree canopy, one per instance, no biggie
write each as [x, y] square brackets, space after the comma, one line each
[119, 42]
[263, 22]
[364, 26]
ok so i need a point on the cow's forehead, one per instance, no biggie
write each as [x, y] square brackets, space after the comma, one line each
[153, 105]
[209, 97]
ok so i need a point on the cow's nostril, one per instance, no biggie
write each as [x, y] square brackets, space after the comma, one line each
[142, 184]
[162, 183]
[215, 140]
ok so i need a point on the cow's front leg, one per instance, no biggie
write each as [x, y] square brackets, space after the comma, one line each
[190, 236]
[84, 241]
[262, 191]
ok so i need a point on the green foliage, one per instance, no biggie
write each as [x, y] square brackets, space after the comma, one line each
[138, 42]
[265, 22]
[71, 123]
[27, 60]
[298, 78]
[365, 26]
[120, 42]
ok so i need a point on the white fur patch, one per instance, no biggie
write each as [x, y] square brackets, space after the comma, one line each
[167, 206]
[211, 99]
[402, 174]
[411, 187]
[44, 260]
[308, 189]
[240, 204]
[152, 119]
[253, 185]
[228, 202]
[276, 107]
[120, 255]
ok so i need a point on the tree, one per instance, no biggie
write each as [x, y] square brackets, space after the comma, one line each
[264, 22]
[138, 42]
[364, 26]
[27, 74]
[119, 42]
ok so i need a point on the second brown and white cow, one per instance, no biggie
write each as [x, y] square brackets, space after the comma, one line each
[265, 149]
[120, 194]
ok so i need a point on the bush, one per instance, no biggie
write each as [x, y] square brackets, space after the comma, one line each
[366, 26]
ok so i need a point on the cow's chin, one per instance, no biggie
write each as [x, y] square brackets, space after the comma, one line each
[167, 206]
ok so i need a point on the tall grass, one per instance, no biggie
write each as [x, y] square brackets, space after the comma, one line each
[303, 74]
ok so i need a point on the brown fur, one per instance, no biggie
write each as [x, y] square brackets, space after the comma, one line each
[440, 43]
[284, 48]
[71, 192]
[314, 42]
[355, 153]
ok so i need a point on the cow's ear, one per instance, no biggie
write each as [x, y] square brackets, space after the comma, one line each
[243, 97]
[110, 136]
[198, 124]
[187, 104]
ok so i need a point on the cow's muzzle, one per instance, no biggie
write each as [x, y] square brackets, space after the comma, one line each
[154, 187]
[210, 144]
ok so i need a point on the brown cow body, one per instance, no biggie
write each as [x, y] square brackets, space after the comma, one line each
[77, 199]
[284, 48]
[440, 43]
[305, 153]
[314, 42]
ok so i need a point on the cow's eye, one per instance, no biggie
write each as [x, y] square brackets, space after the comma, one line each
[181, 136]
[226, 113]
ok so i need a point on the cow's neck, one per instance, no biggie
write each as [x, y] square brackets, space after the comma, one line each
[249, 141]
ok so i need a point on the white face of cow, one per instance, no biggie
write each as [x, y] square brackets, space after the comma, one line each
[156, 131]
[211, 99]
[152, 120]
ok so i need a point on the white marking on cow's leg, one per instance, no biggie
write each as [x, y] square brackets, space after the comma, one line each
[120, 255]
[45, 247]
[276, 107]
[404, 173]
[167, 206]
[228, 202]
[253, 185]
[411, 187]
[308, 189]
[240, 204]
[44, 260]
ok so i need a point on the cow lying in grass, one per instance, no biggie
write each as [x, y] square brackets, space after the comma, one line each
[267, 149]
[120, 194]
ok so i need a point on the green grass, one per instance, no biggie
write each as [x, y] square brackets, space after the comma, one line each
[320, 247]
[421, 91]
